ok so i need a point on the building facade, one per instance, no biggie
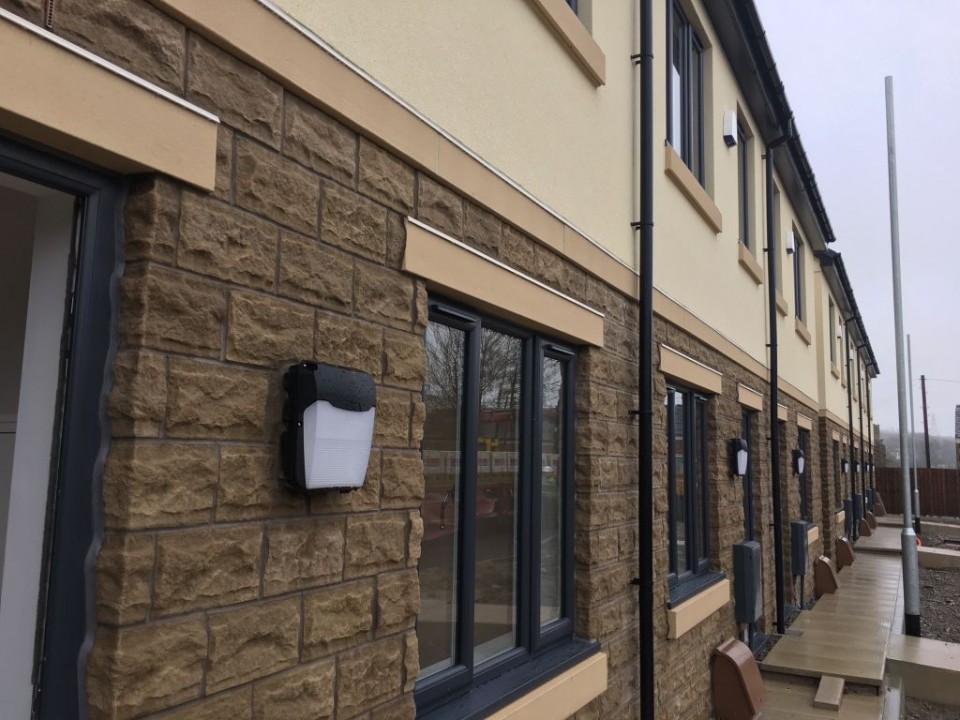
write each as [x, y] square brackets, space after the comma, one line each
[444, 197]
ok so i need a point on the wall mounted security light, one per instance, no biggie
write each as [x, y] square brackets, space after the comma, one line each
[845, 466]
[739, 456]
[799, 461]
[730, 127]
[791, 244]
[328, 416]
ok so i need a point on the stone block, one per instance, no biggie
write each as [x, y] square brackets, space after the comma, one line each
[369, 676]
[440, 207]
[138, 399]
[414, 538]
[252, 642]
[482, 230]
[303, 554]
[402, 478]
[318, 141]
[207, 400]
[233, 705]
[226, 243]
[151, 215]
[223, 183]
[405, 360]
[337, 618]
[385, 178]
[31, 10]
[276, 188]
[158, 484]
[135, 671]
[516, 249]
[250, 487]
[124, 574]
[264, 330]
[421, 308]
[314, 273]
[306, 693]
[396, 240]
[398, 602]
[392, 424]
[353, 223]
[375, 544]
[168, 310]
[206, 567]
[242, 97]
[411, 661]
[350, 343]
[361, 499]
[134, 35]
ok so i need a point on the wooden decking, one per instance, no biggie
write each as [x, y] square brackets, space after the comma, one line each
[790, 697]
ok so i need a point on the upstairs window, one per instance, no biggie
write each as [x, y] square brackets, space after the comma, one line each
[685, 91]
[574, 5]
[831, 328]
[799, 293]
[743, 183]
[496, 567]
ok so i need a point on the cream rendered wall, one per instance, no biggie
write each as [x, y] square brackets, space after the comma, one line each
[695, 266]
[493, 75]
[832, 395]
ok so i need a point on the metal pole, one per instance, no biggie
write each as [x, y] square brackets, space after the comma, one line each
[908, 539]
[926, 427]
[913, 446]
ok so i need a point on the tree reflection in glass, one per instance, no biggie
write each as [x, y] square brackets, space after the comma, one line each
[443, 399]
[551, 495]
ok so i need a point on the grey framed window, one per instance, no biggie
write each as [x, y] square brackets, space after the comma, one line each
[747, 423]
[685, 90]
[573, 5]
[743, 183]
[688, 492]
[803, 479]
[831, 329]
[837, 478]
[496, 565]
[798, 269]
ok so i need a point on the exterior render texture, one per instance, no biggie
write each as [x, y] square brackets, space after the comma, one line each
[446, 196]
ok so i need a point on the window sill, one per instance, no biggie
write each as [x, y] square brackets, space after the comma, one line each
[813, 534]
[523, 682]
[694, 610]
[782, 307]
[677, 170]
[835, 371]
[802, 331]
[563, 695]
[749, 263]
[576, 39]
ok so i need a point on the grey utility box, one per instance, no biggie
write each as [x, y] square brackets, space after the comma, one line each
[798, 547]
[747, 585]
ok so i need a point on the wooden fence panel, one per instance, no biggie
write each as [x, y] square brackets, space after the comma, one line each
[939, 491]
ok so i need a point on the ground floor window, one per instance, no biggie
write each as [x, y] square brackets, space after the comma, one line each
[496, 569]
[803, 478]
[837, 479]
[688, 490]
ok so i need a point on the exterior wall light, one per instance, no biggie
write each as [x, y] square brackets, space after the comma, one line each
[799, 461]
[856, 466]
[791, 245]
[328, 416]
[739, 456]
[845, 466]
[730, 127]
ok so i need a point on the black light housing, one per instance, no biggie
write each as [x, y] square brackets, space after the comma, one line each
[799, 461]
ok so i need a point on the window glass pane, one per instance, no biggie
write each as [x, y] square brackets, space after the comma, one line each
[804, 442]
[676, 85]
[679, 482]
[497, 482]
[551, 492]
[698, 477]
[743, 177]
[695, 111]
[443, 399]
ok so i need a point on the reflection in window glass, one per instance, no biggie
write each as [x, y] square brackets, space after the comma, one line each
[551, 495]
[678, 477]
[499, 434]
[443, 398]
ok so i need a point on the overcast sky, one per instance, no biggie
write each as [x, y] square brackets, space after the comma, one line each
[833, 56]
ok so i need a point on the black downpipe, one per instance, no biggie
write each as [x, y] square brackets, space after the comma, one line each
[854, 530]
[773, 245]
[645, 379]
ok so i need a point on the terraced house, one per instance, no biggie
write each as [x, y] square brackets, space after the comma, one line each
[561, 248]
